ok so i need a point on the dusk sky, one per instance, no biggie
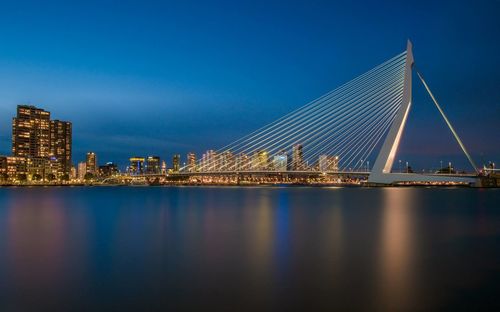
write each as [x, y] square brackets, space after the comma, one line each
[158, 78]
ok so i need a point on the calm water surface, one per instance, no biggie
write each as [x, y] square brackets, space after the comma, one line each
[234, 249]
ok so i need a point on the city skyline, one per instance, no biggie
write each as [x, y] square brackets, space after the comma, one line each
[171, 92]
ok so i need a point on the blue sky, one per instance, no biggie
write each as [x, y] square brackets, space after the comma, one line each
[139, 77]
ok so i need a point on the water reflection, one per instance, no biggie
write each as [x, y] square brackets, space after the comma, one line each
[246, 248]
[39, 252]
[396, 250]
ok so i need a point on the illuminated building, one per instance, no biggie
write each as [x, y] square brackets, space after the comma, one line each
[35, 136]
[82, 170]
[297, 157]
[260, 160]
[60, 144]
[163, 167]
[31, 132]
[136, 165]
[73, 173]
[226, 161]
[176, 162]
[191, 162]
[3, 167]
[153, 164]
[243, 162]
[328, 163]
[108, 170]
[16, 168]
[280, 162]
[91, 163]
[209, 161]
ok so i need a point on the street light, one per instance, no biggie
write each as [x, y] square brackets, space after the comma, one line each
[400, 166]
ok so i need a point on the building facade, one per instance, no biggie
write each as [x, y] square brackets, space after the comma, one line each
[61, 144]
[31, 132]
[91, 163]
[297, 157]
[136, 165]
[153, 164]
[191, 162]
[45, 144]
[328, 163]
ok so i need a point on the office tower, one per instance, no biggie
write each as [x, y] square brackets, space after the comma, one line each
[209, 161]
[280, 161]
[163, 167]
[31, 132]
[108, 170]
[176, 163]
[191, 162]
[91, 163]
[82, 170]
[136, 165]
[153, 164]
[60, 144]
[226, 161]
[260, 160]
[73, 173]
[297, 157]
[3, 168]
[243, 162]
[328, 163]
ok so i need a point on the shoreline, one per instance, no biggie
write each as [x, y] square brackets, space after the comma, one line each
[270, 185]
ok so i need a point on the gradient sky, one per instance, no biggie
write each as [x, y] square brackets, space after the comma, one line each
[139, 78]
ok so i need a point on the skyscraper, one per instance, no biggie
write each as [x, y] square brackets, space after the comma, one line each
[297, 157]
[91, 163]
[260, 160]
[31, 132]
[280, 161]
[328, 163]
[60, 144]
[82, 170]
[153, 164]
[191, 162]
[136, 165]
[176, 162]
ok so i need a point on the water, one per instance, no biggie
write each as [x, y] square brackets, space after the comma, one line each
[256, 249]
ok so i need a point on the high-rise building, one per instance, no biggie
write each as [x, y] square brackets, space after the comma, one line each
[60, 144]
[328, 163]
[82, 170]
[260, 160]
[73, 173]
[31, 132]
[209, 161]
[297, 157]
[91, 163]
[176, 163]
[153, 164]
[243, 162]
[163, 167]
[280, 162]
[108, 170]
[226, 161]
[136, 165]
[191, 162]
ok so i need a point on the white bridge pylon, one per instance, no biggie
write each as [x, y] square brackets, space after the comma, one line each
[381, 172]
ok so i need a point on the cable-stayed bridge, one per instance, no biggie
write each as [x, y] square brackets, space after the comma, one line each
[338, 133]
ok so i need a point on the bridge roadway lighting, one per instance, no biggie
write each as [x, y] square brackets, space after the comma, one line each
[400, 171]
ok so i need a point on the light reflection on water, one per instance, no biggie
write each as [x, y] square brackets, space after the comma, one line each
[248, 248]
